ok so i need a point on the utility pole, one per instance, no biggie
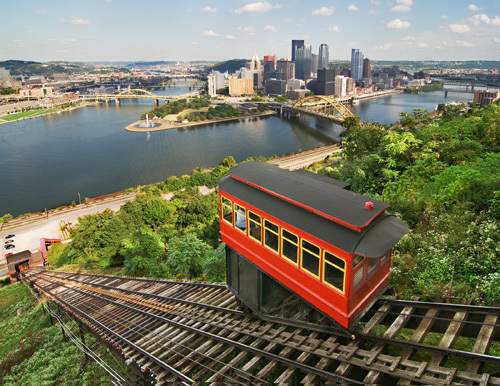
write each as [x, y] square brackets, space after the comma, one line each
[79, 199]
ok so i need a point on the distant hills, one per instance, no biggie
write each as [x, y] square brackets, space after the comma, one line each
[26, 67]
[230, 66]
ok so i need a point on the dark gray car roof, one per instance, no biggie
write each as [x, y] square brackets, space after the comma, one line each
[311, 192]
[374, 241]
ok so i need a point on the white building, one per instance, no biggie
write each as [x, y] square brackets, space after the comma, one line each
[220, 79]
[340, 86]
[295, 84]
[212, 84]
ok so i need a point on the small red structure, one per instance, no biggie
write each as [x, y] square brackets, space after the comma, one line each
[326, 244]
[45, 245]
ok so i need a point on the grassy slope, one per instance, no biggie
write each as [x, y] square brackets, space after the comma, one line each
[29, 113]
[32, 351]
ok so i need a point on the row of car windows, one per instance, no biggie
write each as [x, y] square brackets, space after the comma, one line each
[300, 252]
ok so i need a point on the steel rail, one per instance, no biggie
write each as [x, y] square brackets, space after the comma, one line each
[156, 296]
[441, 306]
[272, 319]
[380, 339]
[184, 378]
[428, 347]
[145, 279]
[246, 376]
[242, 346]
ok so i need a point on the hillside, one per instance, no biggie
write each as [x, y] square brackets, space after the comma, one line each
[230, 65]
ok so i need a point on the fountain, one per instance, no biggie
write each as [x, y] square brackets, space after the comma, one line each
[147, 124]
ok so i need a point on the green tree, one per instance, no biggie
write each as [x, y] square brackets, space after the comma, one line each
[143, 253]
[186, 255]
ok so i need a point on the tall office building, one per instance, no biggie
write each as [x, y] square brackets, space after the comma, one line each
[296, 44]
[323, 56]
[212, 84]
[269, 66]
[367, 68]
[314, 63]
[303, 62]
[325, 84]
[340, 85]
[255, 63]
[286, 68]
[356, 64]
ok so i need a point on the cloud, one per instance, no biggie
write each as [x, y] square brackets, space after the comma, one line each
[485, 19]
[422, 45]
[383, 47]
[77, 21]
[462, 43]
[229, 37]
[270, 28]
[41, 12]
[459, 28]
[408, 38]
[249, 30]
[258, 6]
[444, 17]
[352, 8]
[209, 33]
[334, 28]
[496, 39]
[323, 11]
[473, 8]
[209, 9]
[398, 24]
[402, 6]
[375, 3]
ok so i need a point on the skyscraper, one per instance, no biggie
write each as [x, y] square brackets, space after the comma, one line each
[323, 56]
[314, 63]
[356, 64]
[325, 82]
[269, 65]
[367, 69]
[287, 68]
[296, 44]
[303, 62]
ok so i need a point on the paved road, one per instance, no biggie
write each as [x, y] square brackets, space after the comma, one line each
[305, 158]
[27, 237]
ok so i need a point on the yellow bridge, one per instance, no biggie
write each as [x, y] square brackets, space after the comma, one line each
[322, 106]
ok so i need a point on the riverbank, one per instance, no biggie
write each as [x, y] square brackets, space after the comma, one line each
[167, 125]
[114, 200]
[41, 112]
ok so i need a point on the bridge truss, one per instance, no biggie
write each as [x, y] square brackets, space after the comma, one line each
[325, 106]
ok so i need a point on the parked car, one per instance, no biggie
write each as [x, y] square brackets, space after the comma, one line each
[10, 236]
[10, 246]
[9, 242]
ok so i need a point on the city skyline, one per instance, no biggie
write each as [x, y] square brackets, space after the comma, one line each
[107, 30]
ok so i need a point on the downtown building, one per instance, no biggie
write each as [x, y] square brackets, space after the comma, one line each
[303, 62]
[357, 64]
[295, 45]
[323, 56]
[325, 83]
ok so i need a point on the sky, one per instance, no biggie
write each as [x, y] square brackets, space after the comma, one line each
[116, 30]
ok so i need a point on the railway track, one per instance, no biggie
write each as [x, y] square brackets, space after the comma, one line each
[196, 332]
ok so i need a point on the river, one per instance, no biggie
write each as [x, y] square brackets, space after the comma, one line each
[47, 161]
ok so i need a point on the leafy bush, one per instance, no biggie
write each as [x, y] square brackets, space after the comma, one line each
[441, 175]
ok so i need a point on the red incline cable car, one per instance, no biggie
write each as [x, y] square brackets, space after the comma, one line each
[298, 233]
